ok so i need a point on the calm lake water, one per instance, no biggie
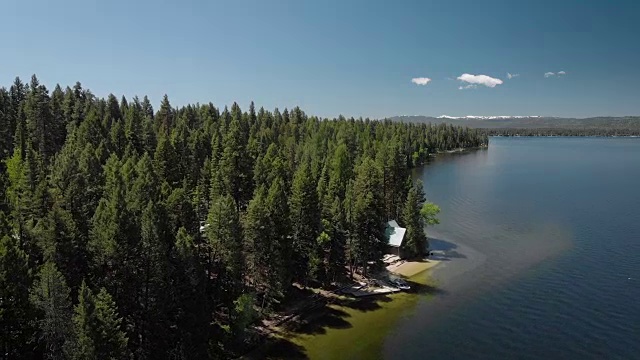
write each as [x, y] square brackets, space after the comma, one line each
[541, 254]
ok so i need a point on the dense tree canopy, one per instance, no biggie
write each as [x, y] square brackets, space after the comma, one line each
[127, 232]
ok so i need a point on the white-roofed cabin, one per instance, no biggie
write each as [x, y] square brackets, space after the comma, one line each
[395, 236]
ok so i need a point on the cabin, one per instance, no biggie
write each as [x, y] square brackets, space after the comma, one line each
[203, 227]
[395, 236]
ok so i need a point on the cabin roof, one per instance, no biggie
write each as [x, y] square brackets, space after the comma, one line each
[395, 233]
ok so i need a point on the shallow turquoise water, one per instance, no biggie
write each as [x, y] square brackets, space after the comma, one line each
[543, 244]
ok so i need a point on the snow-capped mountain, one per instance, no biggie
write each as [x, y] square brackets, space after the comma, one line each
[489, 117]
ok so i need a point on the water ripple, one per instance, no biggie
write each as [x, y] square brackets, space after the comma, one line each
[559, 276]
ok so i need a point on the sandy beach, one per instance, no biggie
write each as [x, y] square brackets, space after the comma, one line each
[411, 268]
[357, 328]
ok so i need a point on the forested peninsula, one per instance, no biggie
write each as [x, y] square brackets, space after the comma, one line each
[538, 125]
[133, 232]
[603, 132]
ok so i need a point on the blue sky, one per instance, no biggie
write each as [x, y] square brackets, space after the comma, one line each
[355, 58]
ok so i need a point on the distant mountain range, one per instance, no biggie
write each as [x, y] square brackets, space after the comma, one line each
[488, 117]
[527, 122]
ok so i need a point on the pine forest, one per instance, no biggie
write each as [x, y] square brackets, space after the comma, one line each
[133, 232]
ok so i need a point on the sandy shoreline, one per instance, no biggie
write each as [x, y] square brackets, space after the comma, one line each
[412, 268]
[330, 331]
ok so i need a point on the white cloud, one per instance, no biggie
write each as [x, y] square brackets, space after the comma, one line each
[511, 76]
[550, 74]
[421, 80]
[470, 86]
[480, 80]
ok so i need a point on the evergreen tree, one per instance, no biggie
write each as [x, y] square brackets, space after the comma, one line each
[281, 248]
[165, 117]
[269, 167]
[199, 150]
[180, 211]
[97, 328]
[58, 128]
[201, 194]
[149, 136]
[145, 187]
[165, 162]
[21, 143]
[305, 221]
[59, 242]
[242, 315]
[267, 229]
[7, 129]
[84, 326]
[418, 214]
[19, 190]
[50, 295]
[17, 95]
[180, 142]
[225, 235]
[147, 109]
[112, 342]
[257, 236]
[113, 114]
[124, 106]
[133, 126]
[117, 138]
[81, 100]
[192, 317]
[37, 109]
[340, 172]
[16, 314]
[114, 242]
[76, 182]
[235, 165]
[336, 229]
[111, 220]
[153, 272]
[395, 173]
[415, 243]
[368, 219]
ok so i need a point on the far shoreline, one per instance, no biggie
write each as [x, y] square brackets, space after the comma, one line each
[566, 136]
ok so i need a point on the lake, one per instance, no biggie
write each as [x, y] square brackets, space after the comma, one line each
[540, 241]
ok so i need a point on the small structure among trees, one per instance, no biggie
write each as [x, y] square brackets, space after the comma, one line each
[411, 240]
[395, 236]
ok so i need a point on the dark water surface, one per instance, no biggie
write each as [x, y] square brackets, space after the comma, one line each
[540, 241]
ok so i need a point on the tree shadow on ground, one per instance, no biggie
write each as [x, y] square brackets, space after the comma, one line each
[317, 321]
[321, 316]
[278, 348]
[365, 304]
[294, 296]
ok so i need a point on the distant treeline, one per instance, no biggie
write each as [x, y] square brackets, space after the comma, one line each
[562, 132]
[127, 232]
[541, 126]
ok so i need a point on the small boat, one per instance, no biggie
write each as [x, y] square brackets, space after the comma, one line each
[400, 284]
